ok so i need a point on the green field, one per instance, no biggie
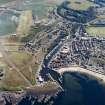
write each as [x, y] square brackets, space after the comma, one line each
[96, 31]
[80, 5]
[12, 80]
[25, 22]
[27, 65]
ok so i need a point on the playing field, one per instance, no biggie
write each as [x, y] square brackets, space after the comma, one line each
[20, 67]
[80, 5]
[96, 31]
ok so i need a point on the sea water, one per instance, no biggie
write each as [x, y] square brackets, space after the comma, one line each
[78, 90]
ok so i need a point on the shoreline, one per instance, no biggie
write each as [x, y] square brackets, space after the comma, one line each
[77, 69]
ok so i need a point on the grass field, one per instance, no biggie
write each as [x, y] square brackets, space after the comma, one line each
[96, 31]
[26, 65]
[12, 79]
[21, 58]
[25, 22]
[78, 5]
[25, 62]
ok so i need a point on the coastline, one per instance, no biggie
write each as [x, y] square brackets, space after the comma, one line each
[82, 70]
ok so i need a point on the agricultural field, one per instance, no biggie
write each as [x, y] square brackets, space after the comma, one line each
[12, 81]
[13, 78]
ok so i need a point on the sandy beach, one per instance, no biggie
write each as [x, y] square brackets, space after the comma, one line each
[82, 70]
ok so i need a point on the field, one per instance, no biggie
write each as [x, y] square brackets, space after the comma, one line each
[80, 5]
[25, 22]
[96, 31]
[12, 79]
[21, 58]
[20, 66]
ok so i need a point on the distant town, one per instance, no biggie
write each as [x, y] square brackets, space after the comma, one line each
[71, 38]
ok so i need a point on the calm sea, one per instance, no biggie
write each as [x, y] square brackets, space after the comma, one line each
[79, 90]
